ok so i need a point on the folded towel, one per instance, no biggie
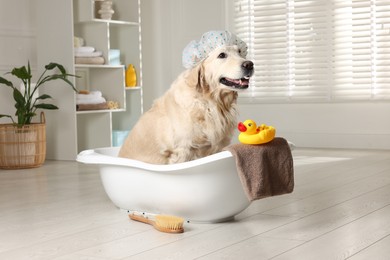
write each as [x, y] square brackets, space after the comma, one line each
[89, 60]
[88, 54]
[84, 49]
[83, 107]
[90, 101]
[265, 170]
[90, 95]
[93, 97]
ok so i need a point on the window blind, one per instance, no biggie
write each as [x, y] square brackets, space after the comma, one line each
[316, 50]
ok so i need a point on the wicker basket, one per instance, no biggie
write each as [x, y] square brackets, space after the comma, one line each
[24, 147]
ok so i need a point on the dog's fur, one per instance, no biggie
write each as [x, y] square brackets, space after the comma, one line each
[196, 117]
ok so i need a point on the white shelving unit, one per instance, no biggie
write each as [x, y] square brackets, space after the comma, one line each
[94, 128]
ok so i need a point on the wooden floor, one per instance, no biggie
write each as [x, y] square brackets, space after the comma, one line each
[340, 209]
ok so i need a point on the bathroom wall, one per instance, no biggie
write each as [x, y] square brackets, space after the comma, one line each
[167, 26]
[170, 24]
[17, 44]
[363, 125]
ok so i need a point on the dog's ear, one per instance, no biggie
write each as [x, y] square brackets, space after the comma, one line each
[202, 86]
[196, 78]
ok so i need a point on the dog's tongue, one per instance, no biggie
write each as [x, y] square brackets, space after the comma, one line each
[241, 82]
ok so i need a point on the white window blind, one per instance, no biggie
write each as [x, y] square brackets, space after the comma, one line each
[316, 50]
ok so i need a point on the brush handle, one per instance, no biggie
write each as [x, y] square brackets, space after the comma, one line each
[174, 229]
[141, 219]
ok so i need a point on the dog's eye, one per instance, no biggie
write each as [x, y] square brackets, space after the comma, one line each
[222, 55]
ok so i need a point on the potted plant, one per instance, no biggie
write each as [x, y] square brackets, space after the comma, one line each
[23, 143]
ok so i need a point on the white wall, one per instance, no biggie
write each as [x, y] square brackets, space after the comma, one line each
[55, 44]
[17, 45]
[341, 125]
[364, 125]
[169, 26]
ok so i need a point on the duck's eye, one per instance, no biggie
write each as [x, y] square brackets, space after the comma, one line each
[222, 55]
[250, 124]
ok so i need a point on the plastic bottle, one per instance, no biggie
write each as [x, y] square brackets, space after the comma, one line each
[131, 76]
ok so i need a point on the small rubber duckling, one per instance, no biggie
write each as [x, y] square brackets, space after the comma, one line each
[253, 134]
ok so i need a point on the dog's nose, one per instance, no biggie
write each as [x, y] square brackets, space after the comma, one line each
[247, 65]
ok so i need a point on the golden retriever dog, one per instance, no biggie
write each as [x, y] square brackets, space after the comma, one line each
[196, 117]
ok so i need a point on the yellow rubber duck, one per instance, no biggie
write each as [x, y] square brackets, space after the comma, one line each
[252, 134]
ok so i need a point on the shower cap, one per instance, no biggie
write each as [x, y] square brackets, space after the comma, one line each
[196, 51]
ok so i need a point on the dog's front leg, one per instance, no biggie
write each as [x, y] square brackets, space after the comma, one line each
[179, 155]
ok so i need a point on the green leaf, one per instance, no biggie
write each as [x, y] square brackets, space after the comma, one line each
[6, 82]
[51, 77]
[19, 98]
[46, 106]
[61, 68]
[21, 73]
[29, 117]
[24, 104]
[44, 96]
[50, 66]
[5, 116]
[53, 65]
[70, 83]
[28, 68]
[8, 117]
[21, 117]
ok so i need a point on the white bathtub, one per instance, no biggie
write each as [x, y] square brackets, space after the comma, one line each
[203, 190]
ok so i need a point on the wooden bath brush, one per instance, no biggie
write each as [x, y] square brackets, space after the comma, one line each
[163, 223]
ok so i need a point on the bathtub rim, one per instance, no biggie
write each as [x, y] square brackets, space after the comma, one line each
[102, 156]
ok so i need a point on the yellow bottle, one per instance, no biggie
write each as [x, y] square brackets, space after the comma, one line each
[131, 76]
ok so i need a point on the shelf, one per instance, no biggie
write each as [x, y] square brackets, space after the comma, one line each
[104, 66]
[90, 129]
[113, 22]
[122, 32]
[132, 88]
[126, 12]
[100, 111]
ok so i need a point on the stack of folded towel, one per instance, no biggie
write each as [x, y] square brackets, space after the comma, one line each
[86, 54]
[92, 100]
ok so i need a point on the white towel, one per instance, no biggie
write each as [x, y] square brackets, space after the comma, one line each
[94, 97]
[91, 95]
[97, 100]
[88, 54]
[84, 49]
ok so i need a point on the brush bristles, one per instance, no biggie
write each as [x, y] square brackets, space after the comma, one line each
[170, 222]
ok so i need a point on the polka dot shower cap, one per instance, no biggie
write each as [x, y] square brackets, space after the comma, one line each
[196, 51]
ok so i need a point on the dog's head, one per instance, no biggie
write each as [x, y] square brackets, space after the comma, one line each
[223, 69]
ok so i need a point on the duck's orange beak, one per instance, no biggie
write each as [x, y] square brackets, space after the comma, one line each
[241, 127]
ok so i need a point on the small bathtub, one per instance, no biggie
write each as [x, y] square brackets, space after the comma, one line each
[202, 190]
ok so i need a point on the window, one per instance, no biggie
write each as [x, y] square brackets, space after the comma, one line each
[316, 50]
